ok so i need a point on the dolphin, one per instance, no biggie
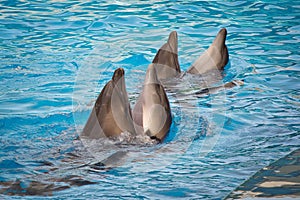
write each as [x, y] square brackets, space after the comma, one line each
[215, 57]
[111, 114]
[166, 60]
[152, 112]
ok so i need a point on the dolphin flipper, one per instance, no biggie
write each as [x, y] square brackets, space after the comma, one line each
[212, 90]
[166, 60]
[215, 57]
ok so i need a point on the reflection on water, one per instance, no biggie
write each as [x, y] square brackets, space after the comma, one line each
[56, 56]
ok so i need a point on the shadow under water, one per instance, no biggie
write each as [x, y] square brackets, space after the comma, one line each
[50, 176]
[280, 179]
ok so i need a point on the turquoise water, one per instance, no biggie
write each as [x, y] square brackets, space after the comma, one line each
[56, 56]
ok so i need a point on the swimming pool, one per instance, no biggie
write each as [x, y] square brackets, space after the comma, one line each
[56, 56]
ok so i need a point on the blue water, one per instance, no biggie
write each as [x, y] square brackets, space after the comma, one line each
[56, 56]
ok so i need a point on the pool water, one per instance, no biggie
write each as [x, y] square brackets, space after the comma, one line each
[56, 56]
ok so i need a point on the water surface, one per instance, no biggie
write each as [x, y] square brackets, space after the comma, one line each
[56, 56]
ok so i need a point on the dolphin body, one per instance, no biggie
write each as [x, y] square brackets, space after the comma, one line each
[111, 114]
[207, 67]
[152, 112]
[214, 58]
[152, 108]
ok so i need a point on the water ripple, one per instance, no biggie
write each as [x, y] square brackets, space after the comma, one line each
[56, 56]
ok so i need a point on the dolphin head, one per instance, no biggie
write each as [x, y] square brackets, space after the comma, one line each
[215, 57]
[111, 114]
[151, 75]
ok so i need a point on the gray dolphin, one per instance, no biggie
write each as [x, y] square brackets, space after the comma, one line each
[166, 60]
[111, 114]
[215, 57]
[152, 112]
